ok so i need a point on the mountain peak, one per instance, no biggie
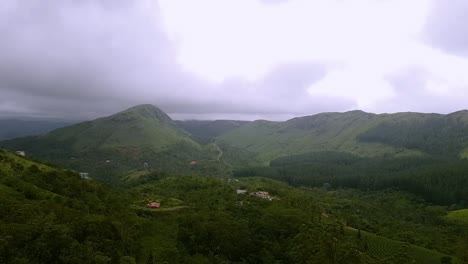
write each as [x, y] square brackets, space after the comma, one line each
[146, 111]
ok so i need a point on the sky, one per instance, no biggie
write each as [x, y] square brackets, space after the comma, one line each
[232, 59]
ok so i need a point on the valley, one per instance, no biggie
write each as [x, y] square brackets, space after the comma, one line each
[348, 187]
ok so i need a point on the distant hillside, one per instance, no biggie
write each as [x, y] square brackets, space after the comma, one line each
[356, 132]
[205, 131]
[146, 138]
[12, 128]
[142, 137]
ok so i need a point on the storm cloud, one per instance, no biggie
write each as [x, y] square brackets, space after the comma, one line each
[447, 26]
[85, 59]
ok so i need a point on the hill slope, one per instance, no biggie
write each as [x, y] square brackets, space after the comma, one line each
[141, 137]
[205, 131]
[355, 132]
[53, 216]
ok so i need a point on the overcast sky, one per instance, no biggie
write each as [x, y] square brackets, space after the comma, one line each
[239, 59]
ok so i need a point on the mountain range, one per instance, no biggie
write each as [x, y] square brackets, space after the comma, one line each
[144, 137]
[349, 187]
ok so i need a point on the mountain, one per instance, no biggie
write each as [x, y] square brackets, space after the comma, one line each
[51, 215]
[145, 138]
[142, 137]
[355, 132]
[205, 131]
[13, 128]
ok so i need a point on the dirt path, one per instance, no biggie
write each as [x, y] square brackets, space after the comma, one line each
[219, 150]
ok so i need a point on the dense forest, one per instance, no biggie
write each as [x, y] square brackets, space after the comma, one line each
[54, 216]
[436, 135]
[437, 179]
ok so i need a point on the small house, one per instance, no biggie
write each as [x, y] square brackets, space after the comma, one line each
[84, 175]
[241, 191]
[262, 194]
[193, 162]
[21, 153]
[153, 205]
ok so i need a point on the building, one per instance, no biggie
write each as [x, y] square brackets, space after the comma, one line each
[153, 205]
[263, 195]
[193, 162]
[241, 191]
[84, 175]
[21, 153]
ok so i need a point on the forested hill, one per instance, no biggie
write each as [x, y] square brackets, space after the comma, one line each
[142, 137]
[440, 180]
[205, 131]
[355, 132]
[51, 215]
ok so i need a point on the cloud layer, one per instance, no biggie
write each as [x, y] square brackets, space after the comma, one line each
[231, 59]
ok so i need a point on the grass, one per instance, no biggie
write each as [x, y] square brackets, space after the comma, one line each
[459, 216]
[322, 132]
[386, 249]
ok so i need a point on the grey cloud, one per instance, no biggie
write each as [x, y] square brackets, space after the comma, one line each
[446, 27]
[85, 59]
[413, 95]
[274, 1]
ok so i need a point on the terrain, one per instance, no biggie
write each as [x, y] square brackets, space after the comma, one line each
[137, 139]
[348, 187]
[52, 215]
[355, 132]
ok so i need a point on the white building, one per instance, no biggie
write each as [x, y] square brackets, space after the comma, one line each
[241, 191]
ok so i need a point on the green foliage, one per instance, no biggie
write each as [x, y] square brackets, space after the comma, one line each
[206, 131]
[321, 132]
[434, 134]
[111, 146]
[54, 216]
[437, 179]
[459, 216]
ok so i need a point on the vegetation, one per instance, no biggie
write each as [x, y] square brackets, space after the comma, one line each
[356, 132]
[206, 131]
[459, 216]
[437, 179]
[343, 188]
[54, 216]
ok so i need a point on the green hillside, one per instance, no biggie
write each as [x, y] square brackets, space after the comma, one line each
[394, 251]
[51, 215]
[459, 216]
[206, 131]
[357, 132]
[142, 137]
[440, 180]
